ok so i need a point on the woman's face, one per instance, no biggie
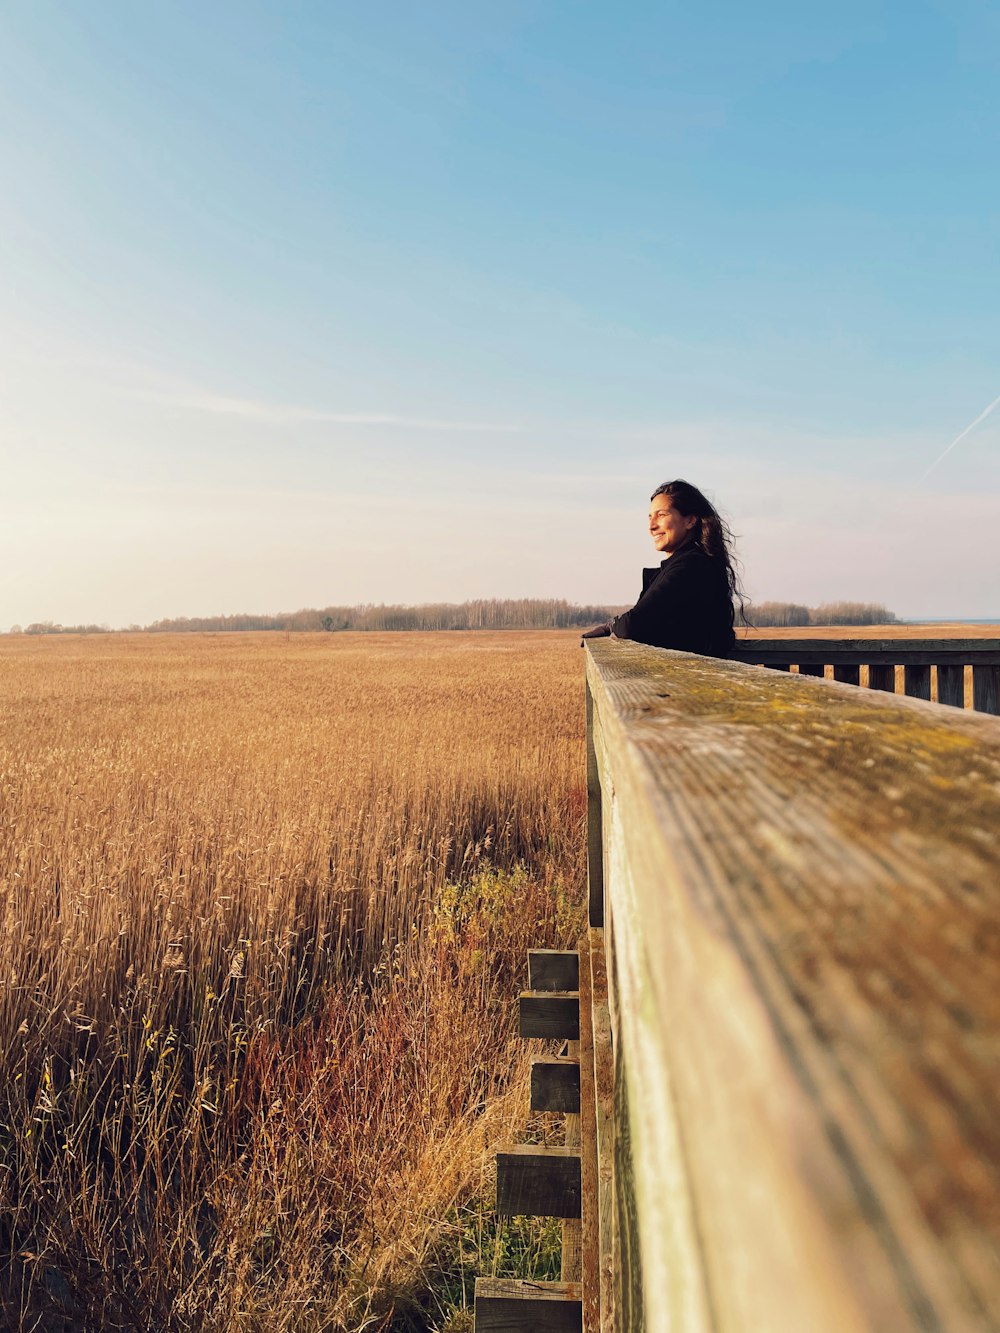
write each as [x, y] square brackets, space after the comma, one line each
[668, 529]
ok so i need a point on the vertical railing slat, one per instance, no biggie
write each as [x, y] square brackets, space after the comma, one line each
[848, 674]
[951, 685]
[917, 681]
[986, 689]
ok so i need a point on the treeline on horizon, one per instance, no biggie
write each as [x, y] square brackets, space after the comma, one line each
[773, 614]
[484, 613]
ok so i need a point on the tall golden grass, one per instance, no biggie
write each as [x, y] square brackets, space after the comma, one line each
[265, 902]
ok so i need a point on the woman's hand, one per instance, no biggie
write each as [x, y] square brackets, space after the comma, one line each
[598, 632]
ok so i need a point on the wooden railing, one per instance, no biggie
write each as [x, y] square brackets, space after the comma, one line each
[787, 1017]
[959, 672]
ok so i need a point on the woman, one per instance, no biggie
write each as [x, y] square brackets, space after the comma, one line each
[688, 602]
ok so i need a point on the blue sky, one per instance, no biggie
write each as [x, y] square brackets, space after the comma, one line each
[311, 303]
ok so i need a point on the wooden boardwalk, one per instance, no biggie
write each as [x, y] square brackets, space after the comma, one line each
[794, 1063]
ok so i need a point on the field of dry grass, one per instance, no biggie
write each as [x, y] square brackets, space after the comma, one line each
[265, 904]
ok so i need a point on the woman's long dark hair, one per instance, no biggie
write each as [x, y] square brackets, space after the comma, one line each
[711, 534]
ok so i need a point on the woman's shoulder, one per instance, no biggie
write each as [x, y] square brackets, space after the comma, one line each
[692, 560]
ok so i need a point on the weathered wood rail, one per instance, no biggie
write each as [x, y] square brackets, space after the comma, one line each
[788, 1012]
[952, 671]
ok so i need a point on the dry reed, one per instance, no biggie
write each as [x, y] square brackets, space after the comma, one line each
[265, 901]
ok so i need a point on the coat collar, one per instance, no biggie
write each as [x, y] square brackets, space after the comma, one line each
[648, 575]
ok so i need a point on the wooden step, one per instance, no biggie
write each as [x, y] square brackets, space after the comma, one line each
[555, 1085]
[504, 1305]
[553, 970]
[549, 1014]
[538, 1182]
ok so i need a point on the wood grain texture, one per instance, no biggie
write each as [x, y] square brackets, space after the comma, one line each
[555, 1085]
[917, 681]
[595, 825]
[951, 685]
[538, 1182]
[553, 970]
[590, 1250]
[803, 885]
[504, 1305]
[658, 1253]
[605, 1125]
[628, 1273]
[549, 1014]
[986, 688]
[847, 673]
[570, 1266]
[882, 678]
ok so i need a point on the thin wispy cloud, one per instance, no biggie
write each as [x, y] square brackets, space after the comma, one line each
[124, 378]
[288, 414]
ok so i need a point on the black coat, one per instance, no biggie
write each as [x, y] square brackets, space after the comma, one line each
[684, 604]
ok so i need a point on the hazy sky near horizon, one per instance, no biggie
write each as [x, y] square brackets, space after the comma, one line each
[311, 303]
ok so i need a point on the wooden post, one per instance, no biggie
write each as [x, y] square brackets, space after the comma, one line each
[570, 1265]
[595, 825]
[986, 689]
[604, 1076]
[882, 677]
[917, 681]
[590, 1254]
[951, 685]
